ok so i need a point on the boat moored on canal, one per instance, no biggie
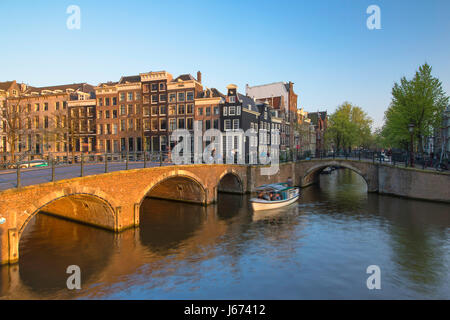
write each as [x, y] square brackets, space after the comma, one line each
[276, 195]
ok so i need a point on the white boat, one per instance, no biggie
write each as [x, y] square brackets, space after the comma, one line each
[288, 194]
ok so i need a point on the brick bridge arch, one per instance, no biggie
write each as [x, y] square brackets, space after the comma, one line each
[369, 172]
[230, 181]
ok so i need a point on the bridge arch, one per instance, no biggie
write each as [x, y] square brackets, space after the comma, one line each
[311, 175]
[230, 182]
[180, 185]
[85, 206]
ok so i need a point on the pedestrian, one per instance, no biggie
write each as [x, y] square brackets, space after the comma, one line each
[290, 182]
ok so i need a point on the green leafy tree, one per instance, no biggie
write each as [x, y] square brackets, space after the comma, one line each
[348, 127]
[420, 101]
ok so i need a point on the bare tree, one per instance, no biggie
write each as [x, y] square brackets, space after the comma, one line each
[13, 119]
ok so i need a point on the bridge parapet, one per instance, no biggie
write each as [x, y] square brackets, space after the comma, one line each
[113, 200]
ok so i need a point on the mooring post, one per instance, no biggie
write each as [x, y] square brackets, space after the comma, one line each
[53, 169]
[106, 163]
[82, 166]
[18, 175]
[145, 160]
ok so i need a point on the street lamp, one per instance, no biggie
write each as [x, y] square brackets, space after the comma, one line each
[411, 154]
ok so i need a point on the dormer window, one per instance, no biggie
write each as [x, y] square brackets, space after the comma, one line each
[232, 99]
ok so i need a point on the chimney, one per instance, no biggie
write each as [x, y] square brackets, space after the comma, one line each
[291, 86]
[199, 76]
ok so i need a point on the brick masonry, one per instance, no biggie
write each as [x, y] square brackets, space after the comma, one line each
[113, 200]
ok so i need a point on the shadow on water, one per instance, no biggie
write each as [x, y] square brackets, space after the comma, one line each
[164, 225]
[49, 245]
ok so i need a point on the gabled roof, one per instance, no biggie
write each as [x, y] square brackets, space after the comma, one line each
[210, 93]
[130, 79]
[248, 102]
[84, 87]
[6, 85]
[184, 77]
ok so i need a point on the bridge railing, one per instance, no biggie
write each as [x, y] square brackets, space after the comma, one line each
[49, 168]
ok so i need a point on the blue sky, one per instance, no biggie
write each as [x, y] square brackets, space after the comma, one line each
[324, 47]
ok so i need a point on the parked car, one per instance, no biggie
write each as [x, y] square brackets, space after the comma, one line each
[29, 164]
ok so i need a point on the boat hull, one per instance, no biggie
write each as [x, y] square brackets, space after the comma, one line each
[259, 204]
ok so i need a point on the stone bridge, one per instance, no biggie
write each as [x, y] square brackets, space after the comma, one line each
[113, 200]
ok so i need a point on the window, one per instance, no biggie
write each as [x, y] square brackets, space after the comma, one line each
[100, 114]
[207, 124]
[162, 124]
[123, 110]
[45, 106]
[100, 102]
[208, 111]
[36, 107]
[225, 111]
[130, 124]
[181, 109]
[181, 123]
[130, 109]
[154, 124]
[138, 124]
[190, 108]
[154, 98]
[146, 124]
[190, 96]
[190, 123]
[172, 97]
[122, 125]
[107, 114]
[232, 111]
[154, 87]
[162, 86]
[238, 110]
[216, 110]
[122, 96]
[108, 129]
[172, 110]
[163, 110]
[46, 122]
[154, 110]
[114, 114]
[172, 124]
[200, 111]
[163, 97]
[216, 124]
[232, 99]
[235, 124]
[180, 96]
[131, 144]
[146, 88]
[106, 101]
[227, 124]
[114, 101]
[146, 99]
[130, 96]
[146, 111]
[138, 96]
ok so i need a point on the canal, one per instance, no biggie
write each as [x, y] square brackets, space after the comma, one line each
[319, 248]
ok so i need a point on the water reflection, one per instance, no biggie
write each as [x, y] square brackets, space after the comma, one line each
[317, 248]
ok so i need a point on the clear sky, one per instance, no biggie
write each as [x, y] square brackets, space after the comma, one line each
[324, 47]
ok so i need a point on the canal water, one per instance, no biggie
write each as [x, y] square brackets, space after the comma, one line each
[318, 248]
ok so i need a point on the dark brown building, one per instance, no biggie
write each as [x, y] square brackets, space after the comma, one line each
[119, 116]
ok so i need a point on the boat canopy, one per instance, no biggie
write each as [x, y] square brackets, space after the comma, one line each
[277, 187]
